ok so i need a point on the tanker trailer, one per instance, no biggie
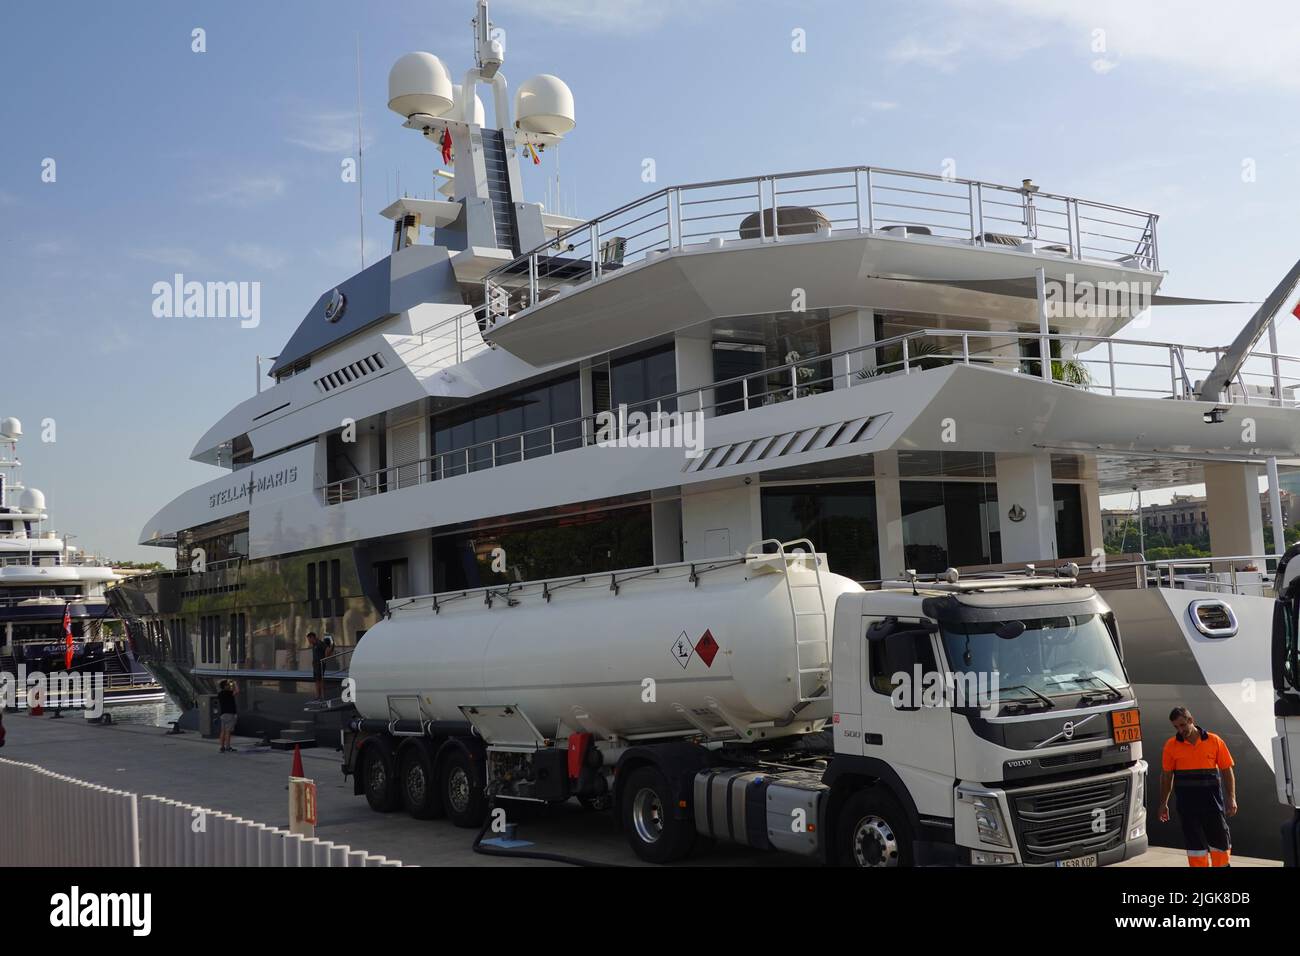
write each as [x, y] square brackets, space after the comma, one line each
[696, 698]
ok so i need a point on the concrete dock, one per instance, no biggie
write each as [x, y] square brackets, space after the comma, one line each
[252, 783]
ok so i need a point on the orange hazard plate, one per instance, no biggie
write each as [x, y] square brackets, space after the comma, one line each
[1127, 725]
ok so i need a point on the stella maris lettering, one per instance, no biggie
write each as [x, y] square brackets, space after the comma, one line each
[285, 476]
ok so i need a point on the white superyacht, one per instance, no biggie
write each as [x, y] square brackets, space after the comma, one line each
[916, 372]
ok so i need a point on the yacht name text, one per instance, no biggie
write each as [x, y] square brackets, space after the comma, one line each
[285, 476]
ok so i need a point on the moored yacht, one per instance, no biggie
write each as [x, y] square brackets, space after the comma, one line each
[915, 372]
[52, 600]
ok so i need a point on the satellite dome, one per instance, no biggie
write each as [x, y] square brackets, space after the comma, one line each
[32, 499]
[419, 83]
[11, 428]
[479, 118]
[544, 104]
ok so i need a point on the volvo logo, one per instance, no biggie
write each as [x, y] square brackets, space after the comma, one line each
[334, 308]
[1066, 732]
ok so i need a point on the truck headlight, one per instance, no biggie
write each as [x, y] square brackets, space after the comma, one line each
[989, 822]
[1138, 814]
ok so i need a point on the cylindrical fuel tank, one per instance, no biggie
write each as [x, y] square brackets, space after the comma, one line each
[617, 654]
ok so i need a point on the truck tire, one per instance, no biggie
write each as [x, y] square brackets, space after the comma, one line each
[873, 831]
[379, 778]
[461, 794]
[419, 786]
[653, 830]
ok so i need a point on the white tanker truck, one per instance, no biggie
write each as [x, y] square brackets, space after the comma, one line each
[765, 701]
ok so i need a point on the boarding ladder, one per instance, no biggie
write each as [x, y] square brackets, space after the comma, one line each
[812, 650]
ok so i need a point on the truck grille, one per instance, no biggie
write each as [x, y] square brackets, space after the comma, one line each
[1055, 824]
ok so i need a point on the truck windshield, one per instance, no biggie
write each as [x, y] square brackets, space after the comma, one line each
[1055, 656]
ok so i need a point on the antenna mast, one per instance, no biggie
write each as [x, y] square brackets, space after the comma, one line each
[361, 189]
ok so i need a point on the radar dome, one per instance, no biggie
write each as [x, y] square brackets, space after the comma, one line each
[419, 83]
[32, 499]
[11, 428]
[479, 118]
[544, 104]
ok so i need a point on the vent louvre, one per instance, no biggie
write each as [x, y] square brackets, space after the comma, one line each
[348, 374]
[816, 438]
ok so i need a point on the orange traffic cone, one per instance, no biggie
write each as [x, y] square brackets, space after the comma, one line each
[297, 763]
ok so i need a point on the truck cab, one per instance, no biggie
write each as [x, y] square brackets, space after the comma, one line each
[1286, 698]
[985, 721]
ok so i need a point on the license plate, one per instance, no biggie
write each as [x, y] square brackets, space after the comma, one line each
[1126, 725]
[1090, 860]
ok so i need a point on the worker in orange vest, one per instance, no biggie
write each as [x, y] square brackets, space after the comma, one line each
[1197, 767]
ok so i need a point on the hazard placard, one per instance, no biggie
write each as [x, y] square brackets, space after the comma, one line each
[707, 648]
[682, 650]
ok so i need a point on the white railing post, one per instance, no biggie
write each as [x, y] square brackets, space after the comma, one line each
[1044, 343]
[593, 239]
[776, 209]
[871, 213]
[857, 197]
[1069, 227]
[762, 222]
[907, 364]
[970, 202]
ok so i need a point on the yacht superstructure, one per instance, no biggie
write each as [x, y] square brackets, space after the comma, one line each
[914, 371]
[52, 596]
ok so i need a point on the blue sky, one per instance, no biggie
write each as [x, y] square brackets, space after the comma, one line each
[225, 165]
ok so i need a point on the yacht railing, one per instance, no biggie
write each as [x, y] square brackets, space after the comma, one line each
[843, 200]
[1124, 367]
[448, 342]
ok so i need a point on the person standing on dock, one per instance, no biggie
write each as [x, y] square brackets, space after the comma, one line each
[229, 714]
[1197, 767]
[318, 652]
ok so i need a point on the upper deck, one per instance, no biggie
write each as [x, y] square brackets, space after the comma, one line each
[899, 225]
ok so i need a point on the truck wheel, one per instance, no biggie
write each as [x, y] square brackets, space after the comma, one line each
[873, 832]
[419, 786]
[655, 834]
[379, 778]
[462, 797]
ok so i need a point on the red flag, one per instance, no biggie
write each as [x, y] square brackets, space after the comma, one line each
[446, 145]
[67, 637]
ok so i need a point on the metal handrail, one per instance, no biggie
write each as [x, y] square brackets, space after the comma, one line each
[454, 329]
[579, 432]
[564, 259]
